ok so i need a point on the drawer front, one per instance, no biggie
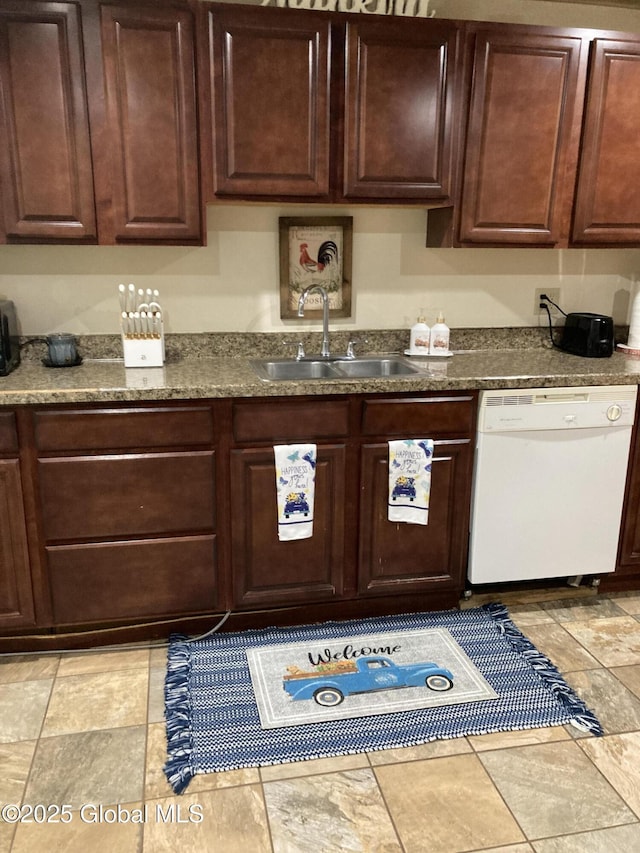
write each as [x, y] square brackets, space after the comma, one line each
[123, 580]
[422, 417]
[290, 420]
[102, 497]
[8, 433]
[123, 429]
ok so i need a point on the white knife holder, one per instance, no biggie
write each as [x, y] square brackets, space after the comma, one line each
[143, 350]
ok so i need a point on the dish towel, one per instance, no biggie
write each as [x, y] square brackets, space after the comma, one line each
[295, 488]
[410, 480]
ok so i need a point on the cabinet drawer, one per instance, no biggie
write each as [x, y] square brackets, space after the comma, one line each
[419, 417]
[289, 420]
[100, 497]
[123, 429]
[8, 434]
[120, 580]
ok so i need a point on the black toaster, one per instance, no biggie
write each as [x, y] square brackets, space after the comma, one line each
[589, 335]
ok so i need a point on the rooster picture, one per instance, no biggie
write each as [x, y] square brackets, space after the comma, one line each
[327, 254]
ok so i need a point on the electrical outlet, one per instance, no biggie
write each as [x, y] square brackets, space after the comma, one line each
[551, 292]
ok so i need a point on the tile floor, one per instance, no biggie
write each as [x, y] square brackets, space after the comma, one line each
[87, 731]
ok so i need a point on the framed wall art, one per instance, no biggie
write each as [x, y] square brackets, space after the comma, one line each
[315, 250]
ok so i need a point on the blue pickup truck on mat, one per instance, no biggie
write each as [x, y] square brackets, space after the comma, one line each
[365, 675]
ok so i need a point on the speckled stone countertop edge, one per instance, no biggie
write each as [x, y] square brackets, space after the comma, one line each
[107, 380]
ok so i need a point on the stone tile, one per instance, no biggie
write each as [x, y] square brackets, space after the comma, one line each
[581, 609]
[102, 700]
[513, 848]
[80, 835]
[22, 708]
[7, 831]
[502, 740]
[614, 641]
[28, 668]
[226, 820]
[156, 785]
[560, 647]
[336, 811]
[15, 761]
[155, 713]
[100, 661]
[629, 676]
[524, 615]
[91, 767]
[616, 707]
[618, 759]
[553, 789]
[158, 656]
[627, 601]
[451, 801]
[314, 767]
[618, 839]
[435, 749]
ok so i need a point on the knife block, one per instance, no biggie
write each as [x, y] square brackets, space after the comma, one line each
[143, 350]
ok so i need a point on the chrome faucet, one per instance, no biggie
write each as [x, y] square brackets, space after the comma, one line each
[316, 288]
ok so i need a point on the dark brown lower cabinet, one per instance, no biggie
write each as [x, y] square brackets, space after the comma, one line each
[16, 594]
[267, 571]
[411, 558]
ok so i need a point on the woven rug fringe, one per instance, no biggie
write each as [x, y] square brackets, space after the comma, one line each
[179, 768]
[581, 717]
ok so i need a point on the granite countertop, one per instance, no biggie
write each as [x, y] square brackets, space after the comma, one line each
[194, 375]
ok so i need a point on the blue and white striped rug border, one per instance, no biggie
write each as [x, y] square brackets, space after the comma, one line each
[213, 723]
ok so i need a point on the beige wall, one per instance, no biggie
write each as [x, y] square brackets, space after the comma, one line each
[232, 283]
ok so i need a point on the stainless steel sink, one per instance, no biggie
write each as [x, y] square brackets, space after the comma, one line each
[282, 369]
[387, 366]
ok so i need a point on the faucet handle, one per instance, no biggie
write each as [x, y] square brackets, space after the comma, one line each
[300, 348]
[350, 346]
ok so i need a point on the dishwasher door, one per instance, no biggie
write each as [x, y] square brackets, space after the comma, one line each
[547, 501]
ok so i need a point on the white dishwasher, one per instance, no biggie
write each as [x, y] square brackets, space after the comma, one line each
[549, 482]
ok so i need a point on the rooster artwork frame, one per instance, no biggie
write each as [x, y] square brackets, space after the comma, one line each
[315, 250]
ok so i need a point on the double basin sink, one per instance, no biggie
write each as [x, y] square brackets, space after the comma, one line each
[360, 367]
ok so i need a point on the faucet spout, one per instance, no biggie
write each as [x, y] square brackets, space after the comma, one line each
[316, 288]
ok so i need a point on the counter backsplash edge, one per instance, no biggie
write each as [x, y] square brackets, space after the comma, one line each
[276, 344]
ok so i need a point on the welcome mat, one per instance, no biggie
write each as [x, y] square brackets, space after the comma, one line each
[456, 673]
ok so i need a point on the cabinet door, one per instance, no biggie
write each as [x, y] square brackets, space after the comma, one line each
[405, 558]
[400, 109]
[16, 596]
[149, 68]
[46, 178]
[267, 571]
[607, 207]
[270, 85]
[522, 142]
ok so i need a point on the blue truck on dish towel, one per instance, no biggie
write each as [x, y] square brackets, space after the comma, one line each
[365, 675]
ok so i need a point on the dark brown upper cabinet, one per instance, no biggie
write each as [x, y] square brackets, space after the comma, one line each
[149, 68]
[522, 137]
[327, 107]
[46, 177]
[400, 93]
[607, 205]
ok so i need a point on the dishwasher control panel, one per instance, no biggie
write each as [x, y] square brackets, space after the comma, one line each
[557, 408]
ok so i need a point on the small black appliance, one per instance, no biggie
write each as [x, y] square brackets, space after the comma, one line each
[588, 335]
[9, 338]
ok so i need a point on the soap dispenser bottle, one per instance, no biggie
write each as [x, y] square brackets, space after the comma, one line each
[419, 341]
[439, 337]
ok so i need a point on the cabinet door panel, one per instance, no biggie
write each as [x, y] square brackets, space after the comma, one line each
[150, 82]
[266, 570]
[522, 139]
[404, 558]
[126, 580]
[45, 158]
[98, 497]
[270, 83]
[16, 595]
[400, 91]
[607, 208]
